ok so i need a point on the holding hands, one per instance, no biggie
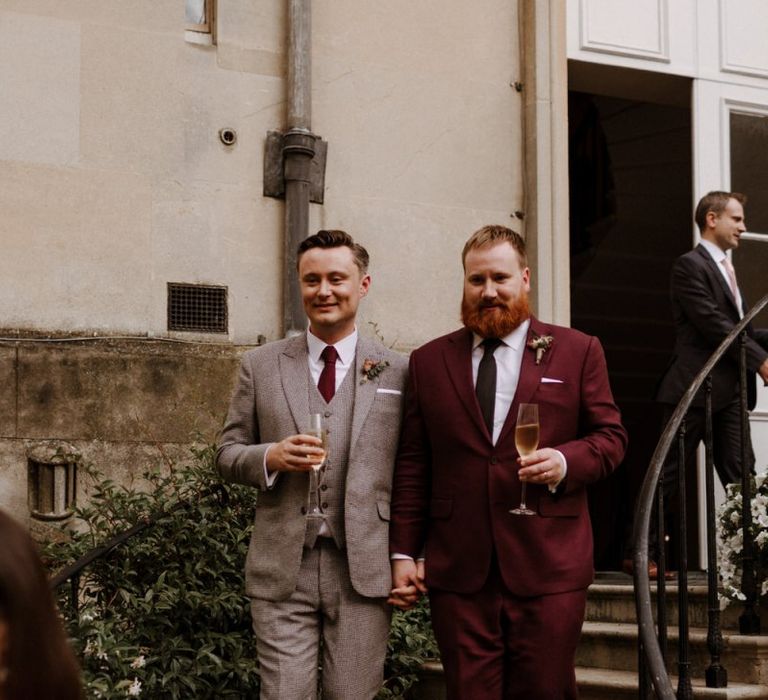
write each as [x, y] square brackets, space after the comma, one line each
[407, 583]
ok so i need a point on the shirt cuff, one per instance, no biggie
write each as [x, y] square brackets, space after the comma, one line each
[553, 487]
[396, 556]
[269, 478]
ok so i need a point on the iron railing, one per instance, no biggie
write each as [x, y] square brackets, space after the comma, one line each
[653, 638]
[72, 573]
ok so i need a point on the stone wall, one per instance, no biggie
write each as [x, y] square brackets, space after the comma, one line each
[125, 405]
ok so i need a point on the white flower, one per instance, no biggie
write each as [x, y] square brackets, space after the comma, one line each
[135, 687]
[102, 656]
[139, 662]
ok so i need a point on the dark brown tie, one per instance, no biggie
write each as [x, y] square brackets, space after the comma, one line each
[327, 382]
[485, 387]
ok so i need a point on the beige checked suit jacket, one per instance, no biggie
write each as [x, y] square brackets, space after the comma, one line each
[271, 402]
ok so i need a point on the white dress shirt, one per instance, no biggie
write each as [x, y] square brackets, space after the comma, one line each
[718, 255]
[345, 348]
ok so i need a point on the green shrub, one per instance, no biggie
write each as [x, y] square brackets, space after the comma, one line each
[164, 616]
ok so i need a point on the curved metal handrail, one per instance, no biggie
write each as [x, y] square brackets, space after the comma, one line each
[657, 668]
[73, 570]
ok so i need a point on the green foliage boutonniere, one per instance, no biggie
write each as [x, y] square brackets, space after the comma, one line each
[540, 344]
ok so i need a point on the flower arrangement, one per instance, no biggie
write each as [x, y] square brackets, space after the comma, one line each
[372, 369]
[540, 344]
[730, 539]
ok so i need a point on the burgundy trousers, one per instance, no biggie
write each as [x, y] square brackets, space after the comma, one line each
[497, 646]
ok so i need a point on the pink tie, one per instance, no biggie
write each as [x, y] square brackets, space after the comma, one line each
[327, 382]
[732, 278]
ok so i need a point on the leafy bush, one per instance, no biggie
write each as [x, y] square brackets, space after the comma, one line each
[164, 616]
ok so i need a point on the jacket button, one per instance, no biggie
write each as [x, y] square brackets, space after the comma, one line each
[327, 414]
[324, 487]
[325, 505]
[303, 510]
[494, 460]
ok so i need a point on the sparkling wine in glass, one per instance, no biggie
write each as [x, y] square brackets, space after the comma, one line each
[526, 441]
[316, 428]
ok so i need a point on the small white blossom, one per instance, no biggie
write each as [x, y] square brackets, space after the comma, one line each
[139, 662]
[135, 687]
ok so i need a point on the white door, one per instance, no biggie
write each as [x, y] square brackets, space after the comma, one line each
[731, 153]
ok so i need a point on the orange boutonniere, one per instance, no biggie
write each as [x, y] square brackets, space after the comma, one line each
[372, 369]
[540, 344]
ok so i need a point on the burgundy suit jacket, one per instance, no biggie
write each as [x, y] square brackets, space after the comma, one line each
[453, 489]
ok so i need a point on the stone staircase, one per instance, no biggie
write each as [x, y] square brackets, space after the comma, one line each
[606, 659]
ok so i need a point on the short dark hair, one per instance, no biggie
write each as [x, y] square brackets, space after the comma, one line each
[715, 202]
[334, 238]
[492, 235]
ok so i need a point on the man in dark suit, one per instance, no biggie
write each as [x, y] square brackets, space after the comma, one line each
[318, 582]
[706, 305]
[507, 592]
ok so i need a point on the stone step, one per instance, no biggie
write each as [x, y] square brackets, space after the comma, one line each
[602, 684]
[612, 599]
[606, 645]
[598, 684]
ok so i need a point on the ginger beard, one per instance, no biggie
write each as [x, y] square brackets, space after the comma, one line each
[494, 319]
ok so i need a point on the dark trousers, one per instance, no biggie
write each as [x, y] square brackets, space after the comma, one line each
[726, 453]
[495, 645]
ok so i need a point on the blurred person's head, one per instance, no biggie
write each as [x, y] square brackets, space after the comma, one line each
[36, 662]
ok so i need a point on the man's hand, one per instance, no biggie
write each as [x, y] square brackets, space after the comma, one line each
[763, 371]
[543, 466]
[407, 583]
[296, 453]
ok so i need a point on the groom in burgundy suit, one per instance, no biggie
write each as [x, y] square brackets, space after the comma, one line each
[507, 592]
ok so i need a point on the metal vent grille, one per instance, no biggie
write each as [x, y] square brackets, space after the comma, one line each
[197, 307]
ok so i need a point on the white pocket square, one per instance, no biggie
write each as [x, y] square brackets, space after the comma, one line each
[388, 391]
[549, 380]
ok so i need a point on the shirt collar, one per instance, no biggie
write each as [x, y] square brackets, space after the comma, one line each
[344, 347]
[716, 253]
[514, 339]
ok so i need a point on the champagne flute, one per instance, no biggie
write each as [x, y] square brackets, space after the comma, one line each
[316, 429]
[526, 441]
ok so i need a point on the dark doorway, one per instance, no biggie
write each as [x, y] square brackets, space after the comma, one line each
[631, 216]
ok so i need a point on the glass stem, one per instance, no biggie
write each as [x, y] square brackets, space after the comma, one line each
[522, 494]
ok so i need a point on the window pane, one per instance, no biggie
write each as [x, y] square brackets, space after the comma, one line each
[749, 174]
[751, 261]
[195, 11]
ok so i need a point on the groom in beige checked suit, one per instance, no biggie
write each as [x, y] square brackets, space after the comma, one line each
[313, 579]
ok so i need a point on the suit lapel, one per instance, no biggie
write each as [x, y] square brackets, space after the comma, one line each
[530, 375]
[365, 392]
[458, 361]
[294, 375]
[714, 270]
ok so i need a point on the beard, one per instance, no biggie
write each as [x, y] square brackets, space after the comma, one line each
[499, 323]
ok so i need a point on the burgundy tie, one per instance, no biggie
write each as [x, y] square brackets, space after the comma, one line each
[327, 383]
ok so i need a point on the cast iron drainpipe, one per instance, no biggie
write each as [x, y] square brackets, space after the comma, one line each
[298, 151]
